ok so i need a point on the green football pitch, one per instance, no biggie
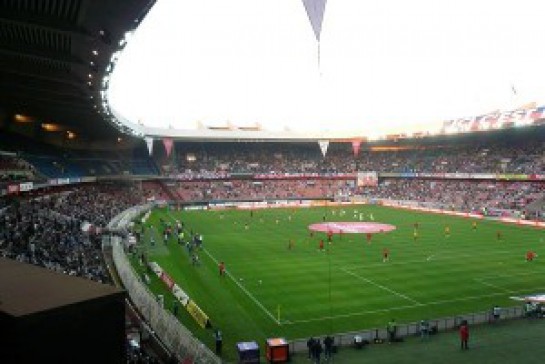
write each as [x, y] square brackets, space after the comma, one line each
[271, 290]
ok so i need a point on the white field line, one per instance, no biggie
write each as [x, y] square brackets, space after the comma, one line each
[484, 282]
[484, 279]
[398, 308]
[343, 228]
[490, 276]
[435, 259]
[251, 296]
[381, 287]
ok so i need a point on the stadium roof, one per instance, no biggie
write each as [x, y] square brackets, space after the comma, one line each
[56, 57]
[54, 54]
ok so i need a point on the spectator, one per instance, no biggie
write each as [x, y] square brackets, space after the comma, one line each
[424, 329]
[328, 344]
[219, 341]
[391, 328]
[464, 335]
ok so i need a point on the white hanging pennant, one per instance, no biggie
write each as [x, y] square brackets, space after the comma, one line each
[324, 144]
[149, 143]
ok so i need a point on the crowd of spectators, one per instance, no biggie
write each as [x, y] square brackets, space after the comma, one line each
[47, 231]
[213, 161]
[13, 168]
[266, 189]
[467, 196]
[459, 195]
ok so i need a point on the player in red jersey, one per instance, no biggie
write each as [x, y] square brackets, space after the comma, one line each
[329, 236]
[369, 237]
[221, 267]
[321, 245]
[530, 255]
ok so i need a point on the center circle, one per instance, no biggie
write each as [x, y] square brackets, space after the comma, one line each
[350, 227]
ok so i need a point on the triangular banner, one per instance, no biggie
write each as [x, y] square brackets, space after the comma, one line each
[315, 11]
[149, 143]
[168, 143]
[324, 144]
[356, 144]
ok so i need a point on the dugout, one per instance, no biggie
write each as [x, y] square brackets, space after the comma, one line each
[49, 317]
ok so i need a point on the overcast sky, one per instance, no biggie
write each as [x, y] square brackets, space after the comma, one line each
[385, 65]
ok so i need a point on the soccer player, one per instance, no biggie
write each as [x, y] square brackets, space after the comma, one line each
[447, 231]
[369, 237]
[290, 244]
[195, 259]
[415, 235]
[385, 255]
[416, 225]
[329, 236]
[499, 235]
[321, 245]
[530, 255]
[474, 225]
[221, 267]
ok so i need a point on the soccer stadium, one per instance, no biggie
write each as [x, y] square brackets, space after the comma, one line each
[253, 181]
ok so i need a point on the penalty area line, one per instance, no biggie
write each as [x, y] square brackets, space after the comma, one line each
[251, 296]
[381, 286]
[397, 308]
[484, 282]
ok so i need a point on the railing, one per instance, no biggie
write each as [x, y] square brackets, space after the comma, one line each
[413, 328]
[174, 335]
